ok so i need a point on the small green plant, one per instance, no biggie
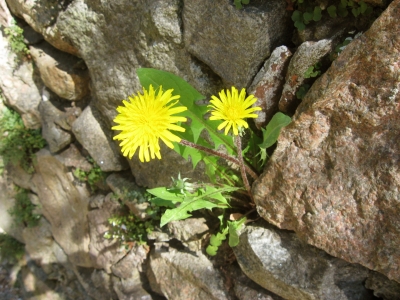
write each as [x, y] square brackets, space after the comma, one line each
[239, 3]
[92, 177]
[10, 249]
[15, 37]
[313, 71]
[169, 112]
[302, 91]
[23, 210]
[128, 228]
[17, 143]
[306, 12]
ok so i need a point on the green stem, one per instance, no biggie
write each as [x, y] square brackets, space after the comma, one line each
[219, 154]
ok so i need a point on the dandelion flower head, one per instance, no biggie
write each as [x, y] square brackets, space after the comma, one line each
[145, 119]
[233, 108]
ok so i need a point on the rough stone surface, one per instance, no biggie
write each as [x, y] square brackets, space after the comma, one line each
[186, 276]
[42, 15]
[104, 252]
[234, 43]
[189, 232]
[63, 73]
[383, 287]
[17, 83]
[268, 84]
[40, 245]
[334, 177]
[307, 55]
[95, 138]
[169, 166]
[56, 137]
[280, 262]
[64, 206]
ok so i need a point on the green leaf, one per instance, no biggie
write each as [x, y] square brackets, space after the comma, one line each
[233, 228]
[307, 16]
[245, 1]
[317, 14]
[332, 11]
[165, 194]
[271, 132]
[297, 16]
[211, 197]
[211, 250]
[299, 25]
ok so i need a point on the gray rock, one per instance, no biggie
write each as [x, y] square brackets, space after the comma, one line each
[234, 43]
[17, 83]
[178, 275]
[124, 187]
[42, 16]
[280, 262]
[63, 73]
[268, 84]
[72, 157]
[64, 206]
[131, 264]
[56, 138]
[96, 139]
[104, 252]
[307, 55]
[333, 177]
[190, 232]
[41, 247]
[382, 286]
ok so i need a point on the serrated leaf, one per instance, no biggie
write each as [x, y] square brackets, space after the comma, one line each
[212, 197]
[273, 129]
[215, 240]
[164, 193]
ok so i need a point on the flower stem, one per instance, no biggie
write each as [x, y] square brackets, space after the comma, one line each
[238, 142]
[220, 154]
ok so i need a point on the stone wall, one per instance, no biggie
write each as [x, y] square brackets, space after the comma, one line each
[328, 197]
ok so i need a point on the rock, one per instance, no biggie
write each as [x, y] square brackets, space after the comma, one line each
[383, 287]
[334, 176]
[131, 263]
[307, 55]
[268, 84]
[42, 16]
[72, 157]
[41, 247]
[17, 83]
[131, 288]
[5, 15]
[56, 138]
[124, 187]
[61, 72]
[95, 138]
[234, 43]
[283, 264]
[104, 252]
[20, 177]
[171, 165]
[178, 275]
[189, 231]
[64, 206]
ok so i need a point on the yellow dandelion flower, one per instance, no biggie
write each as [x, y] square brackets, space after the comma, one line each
[233, 108]
[145, 119]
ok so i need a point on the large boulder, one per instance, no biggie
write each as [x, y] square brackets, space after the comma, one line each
[334, 176]
[65, 207]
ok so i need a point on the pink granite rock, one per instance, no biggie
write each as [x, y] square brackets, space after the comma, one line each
[334, 177]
